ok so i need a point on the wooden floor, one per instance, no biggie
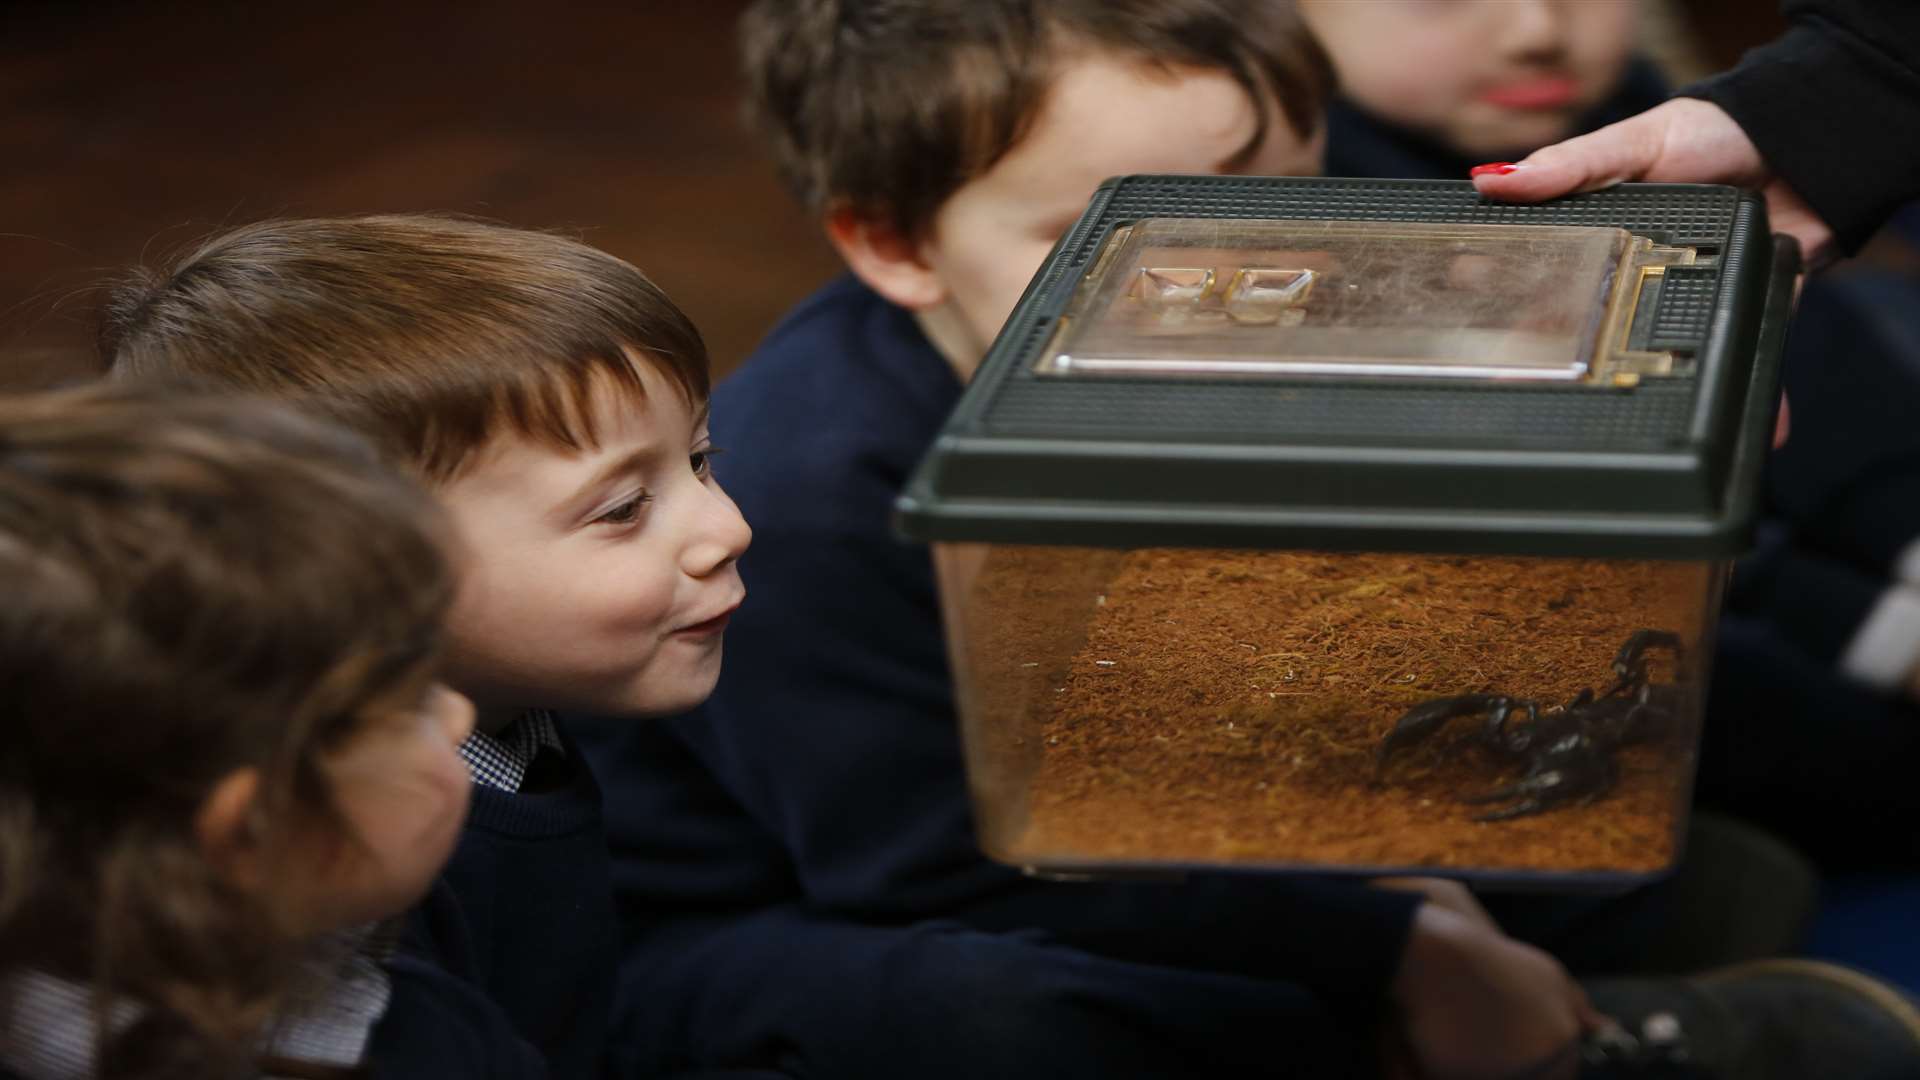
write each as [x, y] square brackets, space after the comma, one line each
[129, 129]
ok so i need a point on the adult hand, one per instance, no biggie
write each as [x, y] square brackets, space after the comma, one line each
[1475, 1004]
[1684, 140]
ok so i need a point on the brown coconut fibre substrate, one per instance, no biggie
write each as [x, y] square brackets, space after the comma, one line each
[1196, 707]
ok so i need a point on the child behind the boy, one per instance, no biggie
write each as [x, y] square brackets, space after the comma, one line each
[555, 402]
[227, 752]
[1431, 89]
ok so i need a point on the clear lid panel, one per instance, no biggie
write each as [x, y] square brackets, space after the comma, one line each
[1266, 298]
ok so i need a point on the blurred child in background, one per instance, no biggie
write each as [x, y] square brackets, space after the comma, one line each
[1430, 90]
[230, 760]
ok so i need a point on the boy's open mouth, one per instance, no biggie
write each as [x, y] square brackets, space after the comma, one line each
[712, 625]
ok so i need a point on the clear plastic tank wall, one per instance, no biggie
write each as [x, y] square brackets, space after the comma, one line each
[1356, 711]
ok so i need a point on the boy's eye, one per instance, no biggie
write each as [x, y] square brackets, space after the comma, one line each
[702, 460]
[626, 511]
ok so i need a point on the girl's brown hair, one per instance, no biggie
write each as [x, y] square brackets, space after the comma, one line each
[193, 586]
[890, 106]
[431, 334]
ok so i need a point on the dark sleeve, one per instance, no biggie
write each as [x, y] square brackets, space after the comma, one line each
[467, 1001]
[1834, 108]
[437, 1024]
[1344, 939]
[939, 1001]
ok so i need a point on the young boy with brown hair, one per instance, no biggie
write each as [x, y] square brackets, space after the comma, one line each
[555, 402]
[945, 145]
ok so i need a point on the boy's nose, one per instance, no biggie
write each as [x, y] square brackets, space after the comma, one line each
[720, 535]
[1532, 29]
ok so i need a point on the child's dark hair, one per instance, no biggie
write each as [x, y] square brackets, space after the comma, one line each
[890, 106]
[194, 586]
[431, 334]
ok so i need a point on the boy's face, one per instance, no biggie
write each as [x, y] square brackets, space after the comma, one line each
[1486, 77]
[1105, 116]
[596, 581]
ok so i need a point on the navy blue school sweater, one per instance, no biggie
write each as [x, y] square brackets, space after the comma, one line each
[788, 990]
[825, 772]
[439, 1023]
[524, 914]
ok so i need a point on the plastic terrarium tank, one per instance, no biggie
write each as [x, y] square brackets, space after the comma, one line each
[1355, 526]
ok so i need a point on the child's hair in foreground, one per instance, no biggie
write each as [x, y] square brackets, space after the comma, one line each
[431, 334]
[890, 106]
[193, 586]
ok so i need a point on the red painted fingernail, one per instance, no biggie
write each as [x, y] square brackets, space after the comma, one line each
[1492, 168]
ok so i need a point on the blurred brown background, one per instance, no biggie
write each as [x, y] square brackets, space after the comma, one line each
[135, 128]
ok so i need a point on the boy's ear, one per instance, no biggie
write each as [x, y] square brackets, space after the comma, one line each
[225, 827]
[891, 264]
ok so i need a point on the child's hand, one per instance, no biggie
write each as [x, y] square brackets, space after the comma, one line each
[1451, 895]
[1476, 1005]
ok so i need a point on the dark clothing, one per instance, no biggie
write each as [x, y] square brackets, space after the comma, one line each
[825, 774]
[1808, 730]
[524, 913]
[1849, 478]
[1833, 106]
[825, 996]
[438, 1024]
[1817, 759]
[1361, 144]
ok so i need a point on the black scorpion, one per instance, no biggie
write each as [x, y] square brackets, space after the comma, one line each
[1569, 752]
